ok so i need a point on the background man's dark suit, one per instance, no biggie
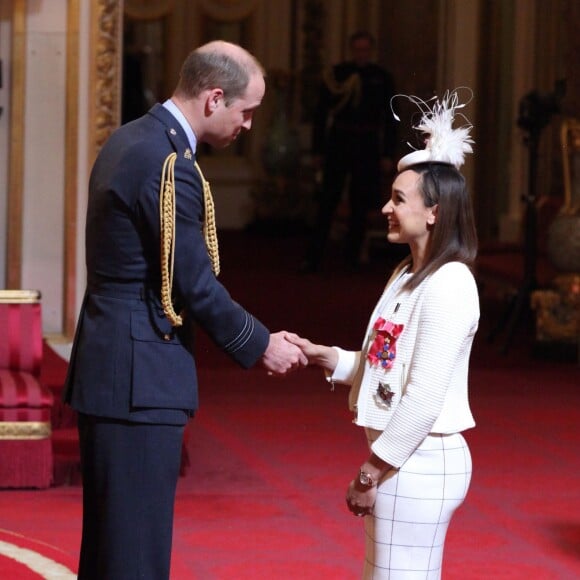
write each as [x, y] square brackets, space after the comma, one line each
[352, 133]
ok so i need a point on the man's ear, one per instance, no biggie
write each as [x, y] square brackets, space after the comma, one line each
[432, 217]
[214, 99]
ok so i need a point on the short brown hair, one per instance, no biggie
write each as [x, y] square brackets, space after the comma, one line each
[218, 64]
[362, 35]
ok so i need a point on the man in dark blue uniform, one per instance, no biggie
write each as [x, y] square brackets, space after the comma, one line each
[152, 261]
[353, 136]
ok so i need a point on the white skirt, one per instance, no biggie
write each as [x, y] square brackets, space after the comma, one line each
[406, 533]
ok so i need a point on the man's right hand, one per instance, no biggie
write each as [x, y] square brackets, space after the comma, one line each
[324, 356]
[282, 356]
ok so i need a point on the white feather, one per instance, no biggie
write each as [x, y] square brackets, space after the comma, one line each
[443, 143]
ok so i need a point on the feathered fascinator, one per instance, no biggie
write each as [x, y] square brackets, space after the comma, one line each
[443, 143]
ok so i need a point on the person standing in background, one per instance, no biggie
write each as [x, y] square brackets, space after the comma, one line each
[354, 137]
[152, 264]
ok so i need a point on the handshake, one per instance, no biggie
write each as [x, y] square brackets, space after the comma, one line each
[287, 352]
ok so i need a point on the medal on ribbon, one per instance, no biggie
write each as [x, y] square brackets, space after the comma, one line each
[383, 349]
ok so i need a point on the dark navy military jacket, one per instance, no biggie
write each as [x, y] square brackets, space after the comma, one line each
[128, 362]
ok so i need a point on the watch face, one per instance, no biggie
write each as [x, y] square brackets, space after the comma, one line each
[365, 478]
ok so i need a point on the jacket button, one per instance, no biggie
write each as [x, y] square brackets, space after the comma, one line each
[166, 337]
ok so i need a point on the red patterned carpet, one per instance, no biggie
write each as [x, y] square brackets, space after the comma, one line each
[271, 458]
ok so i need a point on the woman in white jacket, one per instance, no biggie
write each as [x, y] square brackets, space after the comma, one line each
[409, 381]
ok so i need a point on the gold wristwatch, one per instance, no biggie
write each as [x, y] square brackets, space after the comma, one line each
[366, 479]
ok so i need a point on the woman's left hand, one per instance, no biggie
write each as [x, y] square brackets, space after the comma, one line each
[360, 500]
[361, 494]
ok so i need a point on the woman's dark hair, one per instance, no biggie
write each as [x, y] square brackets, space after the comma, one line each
[206, 69]
[453, 236]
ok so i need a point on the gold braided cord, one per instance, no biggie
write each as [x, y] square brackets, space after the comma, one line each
[209, 227]
[167, 233]
[167, 236]
[349, 89]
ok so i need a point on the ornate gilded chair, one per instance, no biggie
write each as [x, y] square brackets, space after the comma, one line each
[25, 404]
[558, 307]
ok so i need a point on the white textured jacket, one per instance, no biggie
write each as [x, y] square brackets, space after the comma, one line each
[428, 379]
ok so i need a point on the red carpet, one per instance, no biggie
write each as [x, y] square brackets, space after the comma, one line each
[271, 458]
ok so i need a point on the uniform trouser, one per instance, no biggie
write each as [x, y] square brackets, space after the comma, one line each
[130, 473]
[406, 534]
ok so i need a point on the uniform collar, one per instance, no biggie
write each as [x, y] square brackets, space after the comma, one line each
[179, 116]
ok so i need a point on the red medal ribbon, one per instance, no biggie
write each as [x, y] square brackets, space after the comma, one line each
[383, 349]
